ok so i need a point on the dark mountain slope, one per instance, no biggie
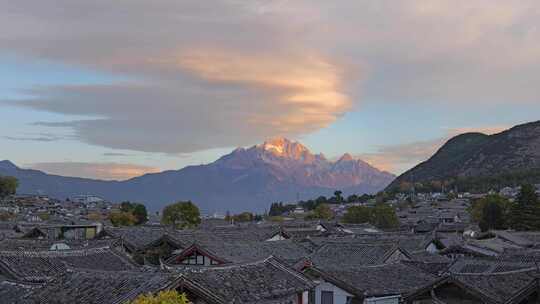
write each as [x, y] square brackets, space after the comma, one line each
[476, 155]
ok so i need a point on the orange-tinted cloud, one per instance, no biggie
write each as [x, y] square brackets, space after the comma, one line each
[209, 74]
[105, 171]
[308, 88]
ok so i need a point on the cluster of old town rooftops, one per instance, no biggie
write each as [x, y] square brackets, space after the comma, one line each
[437, 256]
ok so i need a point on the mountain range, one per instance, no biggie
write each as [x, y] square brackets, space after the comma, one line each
[245, 179]
[509, 157]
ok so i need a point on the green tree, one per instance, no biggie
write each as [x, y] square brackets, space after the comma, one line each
[353, 198]
[492, 217]
[278, 209]
[405, 187]
[382, 197]
[436, 186]
[95, 216]
[125, 206]
[491, 212]
[528, 195]
[8, 186]
[338, 196]
[525, 212]
[320, 200]
[365, 197]
[182, 215]
[384, 217]
[138, 210]
[322, 212]
[122, 219]
[308, 205]
[44, 216]
[357, 215]
[163, 297]
[244, 217]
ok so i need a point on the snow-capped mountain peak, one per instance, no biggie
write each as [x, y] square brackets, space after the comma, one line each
[283, 147]
[290, 160]
[345, 158]
[245, 179]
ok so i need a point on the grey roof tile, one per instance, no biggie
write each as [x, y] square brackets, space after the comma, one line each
[39, 266]
[388, 279]
[101, 287]
[266, 281]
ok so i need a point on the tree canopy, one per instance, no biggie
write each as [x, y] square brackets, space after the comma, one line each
[182, 215]
[338, 196]
[491, 212]
[122, 219]
[322, 212]
[163, 297]
[8, 186]
[474, 184]
[242, 217]
[277, 209]
[381, 216]
[357, 215]
[525, 211]
[384, 217]
[137, 209]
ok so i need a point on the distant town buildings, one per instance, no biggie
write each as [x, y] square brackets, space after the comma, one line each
[55, 251]
[87, 199]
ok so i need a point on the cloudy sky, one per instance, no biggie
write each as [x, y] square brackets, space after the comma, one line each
[114, 89]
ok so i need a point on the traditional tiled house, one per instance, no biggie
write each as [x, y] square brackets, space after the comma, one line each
[42, 266]
[101, 287]
[146, 245]
[387, 283]
[358, 254]
[307, 265]
[339, 269]
[196, 255]
[514, 287]
[489, 266]
[45, 244]
[12, 292]
[268, 281]
[263, 282]
[61, 232]
[220, 252]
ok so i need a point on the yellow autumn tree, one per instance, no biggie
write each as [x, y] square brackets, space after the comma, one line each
[163, 297]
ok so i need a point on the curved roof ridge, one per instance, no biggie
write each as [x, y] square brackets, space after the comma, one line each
[236, 265]
[379, 265]
[103, 271]
[55, 253]
[524, 270]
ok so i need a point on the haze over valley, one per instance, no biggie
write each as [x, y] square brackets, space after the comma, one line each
[245, 179]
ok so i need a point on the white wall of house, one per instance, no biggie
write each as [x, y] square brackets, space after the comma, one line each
[340, 295]
[396, 257]
[383, 300]
[305, 297]
[432, 248]
[321, 228]
[276, 237]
